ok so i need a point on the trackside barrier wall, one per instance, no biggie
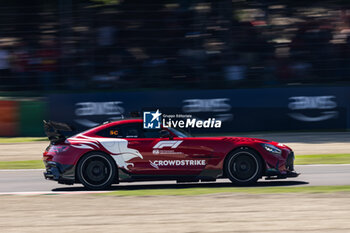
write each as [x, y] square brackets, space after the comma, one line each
[22, 118]
[31, 115]
[241, 110]
[9, 118]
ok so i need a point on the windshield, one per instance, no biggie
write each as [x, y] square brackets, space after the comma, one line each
[180, 133]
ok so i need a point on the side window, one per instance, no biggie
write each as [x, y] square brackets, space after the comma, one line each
[111, 132]
[151, 133]
[133, 130]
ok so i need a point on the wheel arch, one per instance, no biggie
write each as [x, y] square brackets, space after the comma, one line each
[89, 152]
[242, 147]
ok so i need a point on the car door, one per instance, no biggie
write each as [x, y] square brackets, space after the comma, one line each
[169, 155]
[160, 156]
[196, 155]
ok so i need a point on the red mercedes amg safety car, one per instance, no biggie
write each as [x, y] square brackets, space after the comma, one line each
[123, 151]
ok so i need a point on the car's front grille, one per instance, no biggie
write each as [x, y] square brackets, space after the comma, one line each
[290, 161]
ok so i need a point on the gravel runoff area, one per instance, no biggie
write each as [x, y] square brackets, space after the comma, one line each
[206, 213]
[302, 144]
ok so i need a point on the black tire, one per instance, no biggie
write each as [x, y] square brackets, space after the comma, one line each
[243, 167]
[96, 171]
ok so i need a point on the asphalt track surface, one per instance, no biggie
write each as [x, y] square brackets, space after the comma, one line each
[32, 181]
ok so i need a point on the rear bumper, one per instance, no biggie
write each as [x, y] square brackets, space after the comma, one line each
[63, 174]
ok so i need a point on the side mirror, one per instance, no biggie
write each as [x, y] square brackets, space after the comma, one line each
[165, 134]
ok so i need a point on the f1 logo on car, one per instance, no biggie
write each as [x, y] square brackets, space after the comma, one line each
[151, 120]
[162, 144]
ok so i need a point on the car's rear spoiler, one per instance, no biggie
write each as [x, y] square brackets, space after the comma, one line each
[53, 130]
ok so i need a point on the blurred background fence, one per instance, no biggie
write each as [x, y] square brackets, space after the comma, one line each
[94, 46]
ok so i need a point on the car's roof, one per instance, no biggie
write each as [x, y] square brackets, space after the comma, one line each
[120, 122]
[124, 121]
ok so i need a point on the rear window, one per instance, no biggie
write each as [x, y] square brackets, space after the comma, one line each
[132, 130]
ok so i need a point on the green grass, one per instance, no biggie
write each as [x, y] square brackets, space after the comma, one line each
[251, 190]
[28, 164]
[300, 160]
[323, 159]
[26, 139]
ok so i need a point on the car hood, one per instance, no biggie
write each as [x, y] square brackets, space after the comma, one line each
[256, 140]
[244, 139]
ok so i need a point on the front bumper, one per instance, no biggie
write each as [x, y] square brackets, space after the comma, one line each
[287, 171]
[63, 174]
[273, 174]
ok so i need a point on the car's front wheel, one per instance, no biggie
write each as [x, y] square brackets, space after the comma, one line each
[96, 171]
[243, 166]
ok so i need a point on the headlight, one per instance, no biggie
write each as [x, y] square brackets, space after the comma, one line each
[272, 149]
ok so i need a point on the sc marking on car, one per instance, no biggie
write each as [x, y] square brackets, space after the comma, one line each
[123, 151]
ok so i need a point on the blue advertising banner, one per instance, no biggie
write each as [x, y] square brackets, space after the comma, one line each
[240, 110]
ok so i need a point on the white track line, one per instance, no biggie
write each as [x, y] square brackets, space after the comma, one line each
[21, 170]
[50, 193]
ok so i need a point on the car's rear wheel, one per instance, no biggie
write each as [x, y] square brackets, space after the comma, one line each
[243, 167]
[96, 171]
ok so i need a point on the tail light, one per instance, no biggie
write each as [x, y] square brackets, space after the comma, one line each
[58, 149]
